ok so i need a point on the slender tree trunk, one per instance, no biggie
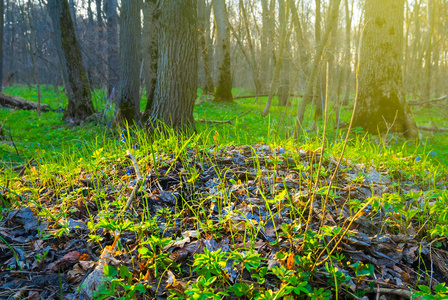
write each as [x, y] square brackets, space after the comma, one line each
[128, 93]
[416, 55]
[283, 90]
[301, 43]
[73, 14]
[112, 47]
[99, 43]
[2, 10]
[381, 99]
[203, 32]
[150, 48]
[268, 24]
[224, 80]
[33, 54]
[333, 17]
[347, 55]
[282, 41]
[176, 89]
[426, 87]
[74, 75]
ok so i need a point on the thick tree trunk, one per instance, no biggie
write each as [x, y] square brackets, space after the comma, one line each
[74, 75]
[128, 94]
[381, 98]
[224, 78]
[176, 88]
[112, 46]
[203, 32]
[150, 48]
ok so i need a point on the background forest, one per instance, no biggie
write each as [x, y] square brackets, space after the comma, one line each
[223, 149]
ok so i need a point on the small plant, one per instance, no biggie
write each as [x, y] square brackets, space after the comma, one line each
[118, 283]
[40, 258]
[440, 292]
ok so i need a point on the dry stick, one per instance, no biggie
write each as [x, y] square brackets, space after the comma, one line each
[435, 129]
[321, 158]
[25, 167]
[139, 179]
[389, 127]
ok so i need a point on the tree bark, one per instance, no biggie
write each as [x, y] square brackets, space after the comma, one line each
[128, 93]
[77, 88]
[176, 88]
[150, 48]
[203, 32]
[112, 46]
[381, 98]
[224, 79]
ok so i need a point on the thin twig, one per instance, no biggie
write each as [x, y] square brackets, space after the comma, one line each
[139, 179]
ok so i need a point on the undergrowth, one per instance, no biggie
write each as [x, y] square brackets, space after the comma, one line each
[84, 171]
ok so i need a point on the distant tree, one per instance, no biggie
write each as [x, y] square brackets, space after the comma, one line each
[381, 98]
[176, 88]
[128, 100]
[224, 78]
[112, 45]
[76, 84]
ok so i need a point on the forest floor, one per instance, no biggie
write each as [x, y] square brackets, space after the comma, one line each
[237, 211]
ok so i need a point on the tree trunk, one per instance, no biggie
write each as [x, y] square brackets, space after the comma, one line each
[380, 96]
[426, 87]
[2, 9]
[333, 17]
[112, 46]
[176, 88]
[268, 24]
[347, 55]
[99, 45]
[224, 80]
[33, 54]
[283, 90]
[203, 32]
[73, 15]
[74, 75]
[128, 93]
[150, 48]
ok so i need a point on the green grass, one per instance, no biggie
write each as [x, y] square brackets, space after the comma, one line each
[417, 194]
[49, 134]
